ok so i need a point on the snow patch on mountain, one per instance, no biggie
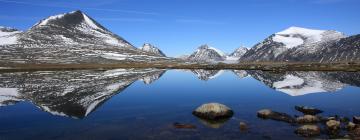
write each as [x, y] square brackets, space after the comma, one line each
[90, 22]
[293, 36]
[8, 35]
[115, 56]
[218, 51]
[132, 57]
[55, 17]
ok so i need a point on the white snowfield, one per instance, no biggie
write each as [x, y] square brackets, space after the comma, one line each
[45, 21]
[7, 38]
[148, 47]
[290, 37]
[90, 22]
[116, 56]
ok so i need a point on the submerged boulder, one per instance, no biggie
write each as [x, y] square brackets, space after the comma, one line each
[307, 119]
[213, 111]
[308, 110]
[269, 114]
[308, 130]
[184, 126]
[355, 134]
[243, 127]
[350, 126]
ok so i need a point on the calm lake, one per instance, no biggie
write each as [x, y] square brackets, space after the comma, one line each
[145, 103]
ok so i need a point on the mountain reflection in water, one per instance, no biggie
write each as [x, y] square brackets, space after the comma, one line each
[78, 93]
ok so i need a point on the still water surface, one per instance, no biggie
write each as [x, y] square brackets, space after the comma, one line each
[145, 103]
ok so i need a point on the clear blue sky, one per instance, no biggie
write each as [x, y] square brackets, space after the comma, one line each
[180, 26]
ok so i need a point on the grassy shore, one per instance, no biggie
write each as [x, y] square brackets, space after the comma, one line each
[266, 66]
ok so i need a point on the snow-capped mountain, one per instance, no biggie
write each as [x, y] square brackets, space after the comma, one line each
[296, 39]
[71, 38]
[147, 47]
[207, 54]
[237, 54]
[72, 28]
[342, 50]
[8, 35]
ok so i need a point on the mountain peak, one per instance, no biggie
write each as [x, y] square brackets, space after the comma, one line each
[300, 30]
[69, 19]
[74, 27]
[207, 53]
[237, 54]
[147, 47]
[207, 47]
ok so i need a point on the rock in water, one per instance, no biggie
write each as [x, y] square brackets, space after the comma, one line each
[355, 134]
[307, 119]
[350, 126]
[184, 126]
[243, 127]
[333, 127]
[308, 110]
[213, 111]
[356, 119]
[308, 130]
[268, 114]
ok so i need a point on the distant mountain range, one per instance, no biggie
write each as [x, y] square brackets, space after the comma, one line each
[74, 38]
[297, 44]
[294, 44]
[206, 53]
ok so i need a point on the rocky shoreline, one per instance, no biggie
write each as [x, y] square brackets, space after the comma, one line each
[277, 67]
[310, 125]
